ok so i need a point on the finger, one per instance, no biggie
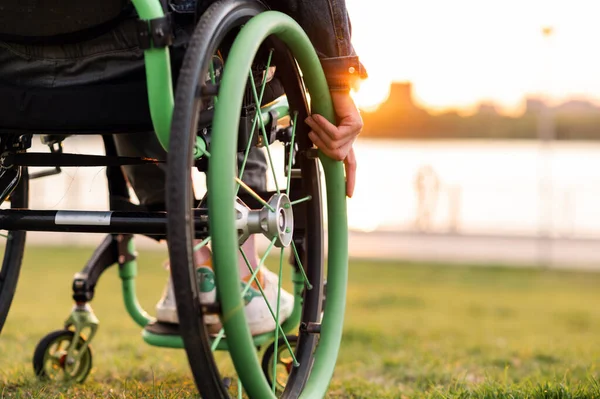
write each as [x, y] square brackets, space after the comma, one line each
[325, 137]
[341, 147]
[322, 140]
[316, 128]
[347, 143]
[338, 154]
[330, 129]
[350, 166]
[343, 152]
[353, 121]
[319, 143]
[348, 129]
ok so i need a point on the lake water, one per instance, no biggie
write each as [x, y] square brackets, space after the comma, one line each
[464, 186]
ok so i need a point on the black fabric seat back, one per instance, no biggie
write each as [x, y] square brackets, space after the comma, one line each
[116, 106]
[39, 20]
[108, 108]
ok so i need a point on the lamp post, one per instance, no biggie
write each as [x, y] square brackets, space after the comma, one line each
[546, 133]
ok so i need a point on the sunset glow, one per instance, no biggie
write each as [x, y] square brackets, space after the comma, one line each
[372, 92]
[459, 53]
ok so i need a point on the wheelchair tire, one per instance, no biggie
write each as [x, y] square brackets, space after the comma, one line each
[219, 20]
[318, 343]
[50, 349]
[285, 365]
[13, 251]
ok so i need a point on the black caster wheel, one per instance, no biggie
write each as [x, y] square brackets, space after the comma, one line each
[284, 360]
[51, 360]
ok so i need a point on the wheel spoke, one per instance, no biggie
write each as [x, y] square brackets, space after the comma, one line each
[255, 272]
[202, 152]
[262, 128]
[243, 167]
[219, 336]
[254, 194]
[301, 200]
[308, 284]
[257, 116]
[269, 306]
[211, 68]
[217, 340]
[276, 342]
[201, 244]
[292, 143]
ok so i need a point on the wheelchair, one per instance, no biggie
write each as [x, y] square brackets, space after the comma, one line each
[217, 111]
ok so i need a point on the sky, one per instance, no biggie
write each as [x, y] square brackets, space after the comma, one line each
[460, 53]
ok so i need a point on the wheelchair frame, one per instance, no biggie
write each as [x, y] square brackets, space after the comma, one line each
[118, 248]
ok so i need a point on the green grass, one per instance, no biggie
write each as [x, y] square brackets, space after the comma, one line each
[411, 331]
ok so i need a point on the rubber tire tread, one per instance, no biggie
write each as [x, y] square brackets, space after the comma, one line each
[42, 347]
[13, 254]
[270, 353]
[215, 23]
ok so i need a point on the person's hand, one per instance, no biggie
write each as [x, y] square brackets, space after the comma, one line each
[336, 141]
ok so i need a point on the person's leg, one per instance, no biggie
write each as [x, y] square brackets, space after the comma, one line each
[255, 176]
[148, 182]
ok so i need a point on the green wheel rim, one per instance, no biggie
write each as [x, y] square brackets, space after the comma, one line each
[222, 189]
[53, 362]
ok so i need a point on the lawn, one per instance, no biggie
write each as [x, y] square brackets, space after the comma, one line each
[411, 331]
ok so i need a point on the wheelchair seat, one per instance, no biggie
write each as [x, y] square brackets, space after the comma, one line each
[110, 107]
[119, 105]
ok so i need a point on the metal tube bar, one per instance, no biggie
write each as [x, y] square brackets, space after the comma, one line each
[149, 223]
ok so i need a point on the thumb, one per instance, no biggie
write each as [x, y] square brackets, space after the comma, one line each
[350, 166]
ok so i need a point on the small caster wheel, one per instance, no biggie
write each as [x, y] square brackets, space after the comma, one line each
[284, 360]
[51, 363]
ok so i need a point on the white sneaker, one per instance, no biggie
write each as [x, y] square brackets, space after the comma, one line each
[258, 315]
[166, 308]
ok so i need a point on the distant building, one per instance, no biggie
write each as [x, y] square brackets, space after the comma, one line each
[399, 117]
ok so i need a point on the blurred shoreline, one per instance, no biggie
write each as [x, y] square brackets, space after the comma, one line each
[485, 250]
[447, 248]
